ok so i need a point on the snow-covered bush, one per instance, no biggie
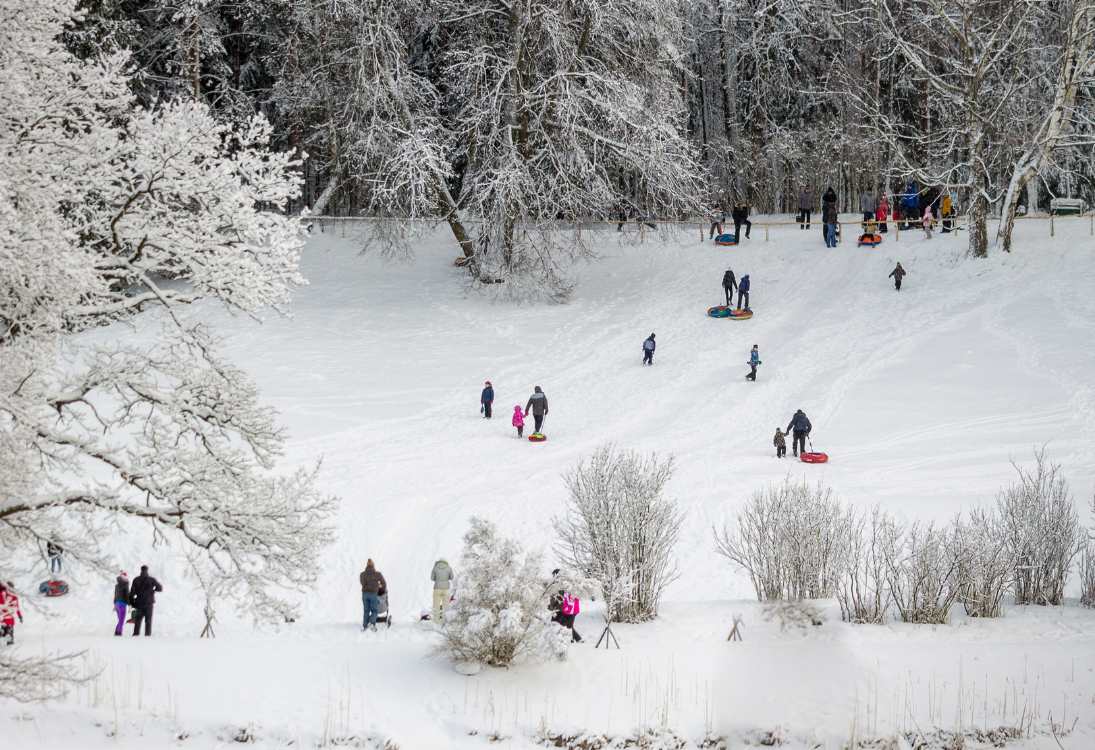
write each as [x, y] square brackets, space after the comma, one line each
[1043, 531]
[986, 569]
[792, 540]
[1087, 575]
[923, 575]
[619, 530]
[863, 591]
[500, 614]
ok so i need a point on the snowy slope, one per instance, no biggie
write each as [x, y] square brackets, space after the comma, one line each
[922, 398]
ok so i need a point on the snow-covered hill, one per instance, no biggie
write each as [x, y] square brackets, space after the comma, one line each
[922, 398]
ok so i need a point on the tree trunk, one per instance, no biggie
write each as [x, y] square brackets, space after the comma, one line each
[978, 225]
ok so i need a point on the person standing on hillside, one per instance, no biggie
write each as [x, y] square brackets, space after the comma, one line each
[486, 399]
[518, 420]
[805, 206]
[729, 283]
[754, 362]
[121, 599]
[538, 405]
[718, 218]
[743, 292]
[882, 213]
[142, 597]
[780, 443]
[648, 350]
[9, 610]
[868, 205]
[897, 274]
[372, 583]
[740, 215]
[829, 216]
[799, 427]
[441, 575]
[54, 552]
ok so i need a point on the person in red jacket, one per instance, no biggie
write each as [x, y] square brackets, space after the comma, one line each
[9, 610]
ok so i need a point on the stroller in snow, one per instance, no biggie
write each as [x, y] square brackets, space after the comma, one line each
[384, 615]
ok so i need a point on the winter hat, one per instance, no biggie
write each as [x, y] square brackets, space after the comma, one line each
[144, 569]
[487, 383]
[537, 389]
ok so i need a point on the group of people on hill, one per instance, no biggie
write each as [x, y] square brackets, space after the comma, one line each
[537, 406]
[730, 282]
[912, 206]
[140, 596]
[739, 214]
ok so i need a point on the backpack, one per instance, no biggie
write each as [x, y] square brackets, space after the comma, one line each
[571, 605]
[648, 345]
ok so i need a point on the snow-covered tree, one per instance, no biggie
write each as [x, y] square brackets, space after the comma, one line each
[500, 611]
[863, 590]
[109, 210]
[987, 568]
[924, 571]
[619, 529]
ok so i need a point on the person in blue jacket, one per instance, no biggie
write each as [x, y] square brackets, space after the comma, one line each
[486, 399]
[743, 291]
[910, 203]
[648, 350]
[799, 427]
[754, 360]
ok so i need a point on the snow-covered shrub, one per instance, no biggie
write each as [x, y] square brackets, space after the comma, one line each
[923, 573]
[500, 610]
[799, 614]
[1042, 530]
[619, 530]
[863, 591]
[986, 569]
[1087, 575]
[792, 540]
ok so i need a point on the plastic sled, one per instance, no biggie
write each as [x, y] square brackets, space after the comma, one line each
[870, 240]
[726, 240]
[813, 457]
[53, 588]
[722, 311]
[537, 437]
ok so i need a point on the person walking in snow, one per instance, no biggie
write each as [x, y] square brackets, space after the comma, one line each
[754, 361]
[372, 583]
[829, 217]
[486, 399]
[648, 350]
[441, 575]
[718, 218]
[538, 405]
[566, 608]
[54, 552]
[780, 443]
[897, 274]
[142, 597]
[729, 282]
[518, 420]
[740, 214]
[799, 427]
[9, 610]
[743, 292]
[928, 221]
[805, 206]
[121, 600]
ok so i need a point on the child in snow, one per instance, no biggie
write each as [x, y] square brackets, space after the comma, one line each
[121, 599]
[754, 360]
[648, 350]
[519, 420]
[9, 610]
[928, 220]
[486, 399]
[780, 443]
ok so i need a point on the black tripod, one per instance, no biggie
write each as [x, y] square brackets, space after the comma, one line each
[607, 636]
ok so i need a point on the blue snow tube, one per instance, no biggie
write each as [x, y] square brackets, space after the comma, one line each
[726, 240]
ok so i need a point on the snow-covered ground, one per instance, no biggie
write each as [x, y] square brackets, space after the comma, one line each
[922, 398]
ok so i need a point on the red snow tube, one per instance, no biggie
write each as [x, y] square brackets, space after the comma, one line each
[537, 437]
[870, 240]
[814, 458]
[721, 311]
[53, 588]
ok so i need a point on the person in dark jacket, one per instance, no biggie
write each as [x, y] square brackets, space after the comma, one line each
[805, 206]
[829, 217]
[142, 597]
[54, 552]
[486, 398]
[729, 283]
[754, 362]
[372, 583]
[555, 604]
[538, 405]
[780, 443]
[799, 427]
[121, 599]
[897, 274]
[740, 214]
[648, 350]
[743, 291]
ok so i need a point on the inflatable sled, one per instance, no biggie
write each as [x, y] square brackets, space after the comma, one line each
[537, 437]
[726, 240]
[870, 240]
[53, 588]
[813, 457]
[721, 311]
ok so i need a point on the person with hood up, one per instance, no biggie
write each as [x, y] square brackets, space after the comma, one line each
[518, 420]
[9, 610]
[486, 399]
[538, 405]
[142, 597]
[799, 427]
[441, 575]
[729, 283]
[946, 209]
[648, 350]
[805, 206]
[743, 291]
[780, 443]
[928, 221]
[566, 607]
[372, 583]
[882, 212]
[754, 362]
[121, 600]
[897, 274]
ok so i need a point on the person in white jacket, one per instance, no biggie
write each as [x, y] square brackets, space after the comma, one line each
[441, 575]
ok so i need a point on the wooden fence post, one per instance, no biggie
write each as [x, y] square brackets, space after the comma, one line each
[765, 232]
[1051, 227]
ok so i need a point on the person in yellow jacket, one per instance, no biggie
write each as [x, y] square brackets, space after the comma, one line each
[947, 210]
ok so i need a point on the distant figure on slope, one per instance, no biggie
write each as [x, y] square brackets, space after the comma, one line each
[897, 274]
[372, 583]
[486, 399]
[799, 427]
[718, 218]
[566, 608]
[868, 204]
[648, 350]
[805, 206]
[729, 282]
[9, 610]
[54, 552]
[928, 221]
[829, 217]
[740, 214]
[946, 210]
[743, 292]
[754, 361]
[142, 597]
[538, 405]
[882, 212]
[780, 443]
[121, 599]
[441, 575]
[518, 420]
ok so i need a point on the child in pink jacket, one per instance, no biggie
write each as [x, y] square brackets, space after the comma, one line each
[928, 220]
[519, 420]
